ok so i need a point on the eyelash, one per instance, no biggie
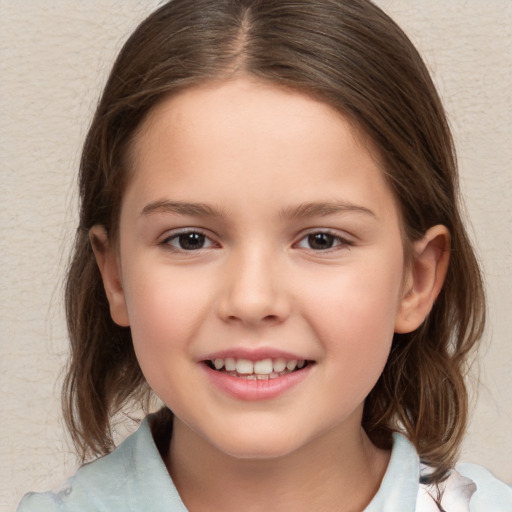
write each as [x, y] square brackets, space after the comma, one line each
[167, 242]
[336, 241]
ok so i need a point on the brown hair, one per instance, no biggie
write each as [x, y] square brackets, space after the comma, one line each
[351, 55]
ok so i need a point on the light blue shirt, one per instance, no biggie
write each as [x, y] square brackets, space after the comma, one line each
[134, 478]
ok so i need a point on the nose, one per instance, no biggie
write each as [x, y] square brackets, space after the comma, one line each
[254, 290]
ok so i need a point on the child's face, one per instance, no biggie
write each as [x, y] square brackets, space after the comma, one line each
[257, 226]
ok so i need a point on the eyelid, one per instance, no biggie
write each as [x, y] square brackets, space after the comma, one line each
[345, 241]
[176, 233]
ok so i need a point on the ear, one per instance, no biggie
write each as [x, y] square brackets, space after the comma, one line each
[108, 263]
[424, 278]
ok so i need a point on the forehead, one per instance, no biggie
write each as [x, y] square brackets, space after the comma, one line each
[244, 103]
[245, 133]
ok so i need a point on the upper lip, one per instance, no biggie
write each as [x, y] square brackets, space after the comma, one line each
[252, 354]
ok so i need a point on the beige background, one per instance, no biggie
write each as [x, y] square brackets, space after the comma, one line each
[54, 58]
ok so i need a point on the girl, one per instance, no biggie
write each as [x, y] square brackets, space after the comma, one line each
[270, 242]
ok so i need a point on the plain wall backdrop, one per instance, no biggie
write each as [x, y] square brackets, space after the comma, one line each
[54, 58]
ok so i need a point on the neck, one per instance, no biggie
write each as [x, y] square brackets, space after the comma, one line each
[332, 472]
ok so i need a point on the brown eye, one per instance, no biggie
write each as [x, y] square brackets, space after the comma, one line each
[188, 241]
[321, 241]
[191, 241]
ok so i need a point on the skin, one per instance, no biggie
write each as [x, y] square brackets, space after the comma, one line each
[253, 155]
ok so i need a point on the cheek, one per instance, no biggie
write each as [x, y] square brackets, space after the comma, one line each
[165, 309]
[353, 315]
[162, 327]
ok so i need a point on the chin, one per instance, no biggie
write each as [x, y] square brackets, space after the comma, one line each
[261, 446]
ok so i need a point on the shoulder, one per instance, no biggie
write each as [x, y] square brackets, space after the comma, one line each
[33, 502]
[94, 483]
[491, 495]
[132, 477]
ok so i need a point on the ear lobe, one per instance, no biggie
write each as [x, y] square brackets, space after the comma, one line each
[108, 263]
[424, 278]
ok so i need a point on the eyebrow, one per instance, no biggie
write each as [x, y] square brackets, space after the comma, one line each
[303, 210]
[181, 208]
[323, 209]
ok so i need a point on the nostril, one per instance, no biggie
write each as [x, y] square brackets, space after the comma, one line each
[249, 318]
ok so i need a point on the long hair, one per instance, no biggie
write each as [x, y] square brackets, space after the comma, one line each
[352, 56]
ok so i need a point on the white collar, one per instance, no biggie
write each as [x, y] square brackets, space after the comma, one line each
[456, 492]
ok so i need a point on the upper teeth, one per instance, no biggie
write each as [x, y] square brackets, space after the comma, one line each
[260, 367]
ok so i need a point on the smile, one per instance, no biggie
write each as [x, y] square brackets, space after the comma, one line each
[251, 378]
[263, 369]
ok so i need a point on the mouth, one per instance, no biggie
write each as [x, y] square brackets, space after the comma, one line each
[263, 369]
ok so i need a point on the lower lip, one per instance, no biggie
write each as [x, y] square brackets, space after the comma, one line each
[252, 390]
